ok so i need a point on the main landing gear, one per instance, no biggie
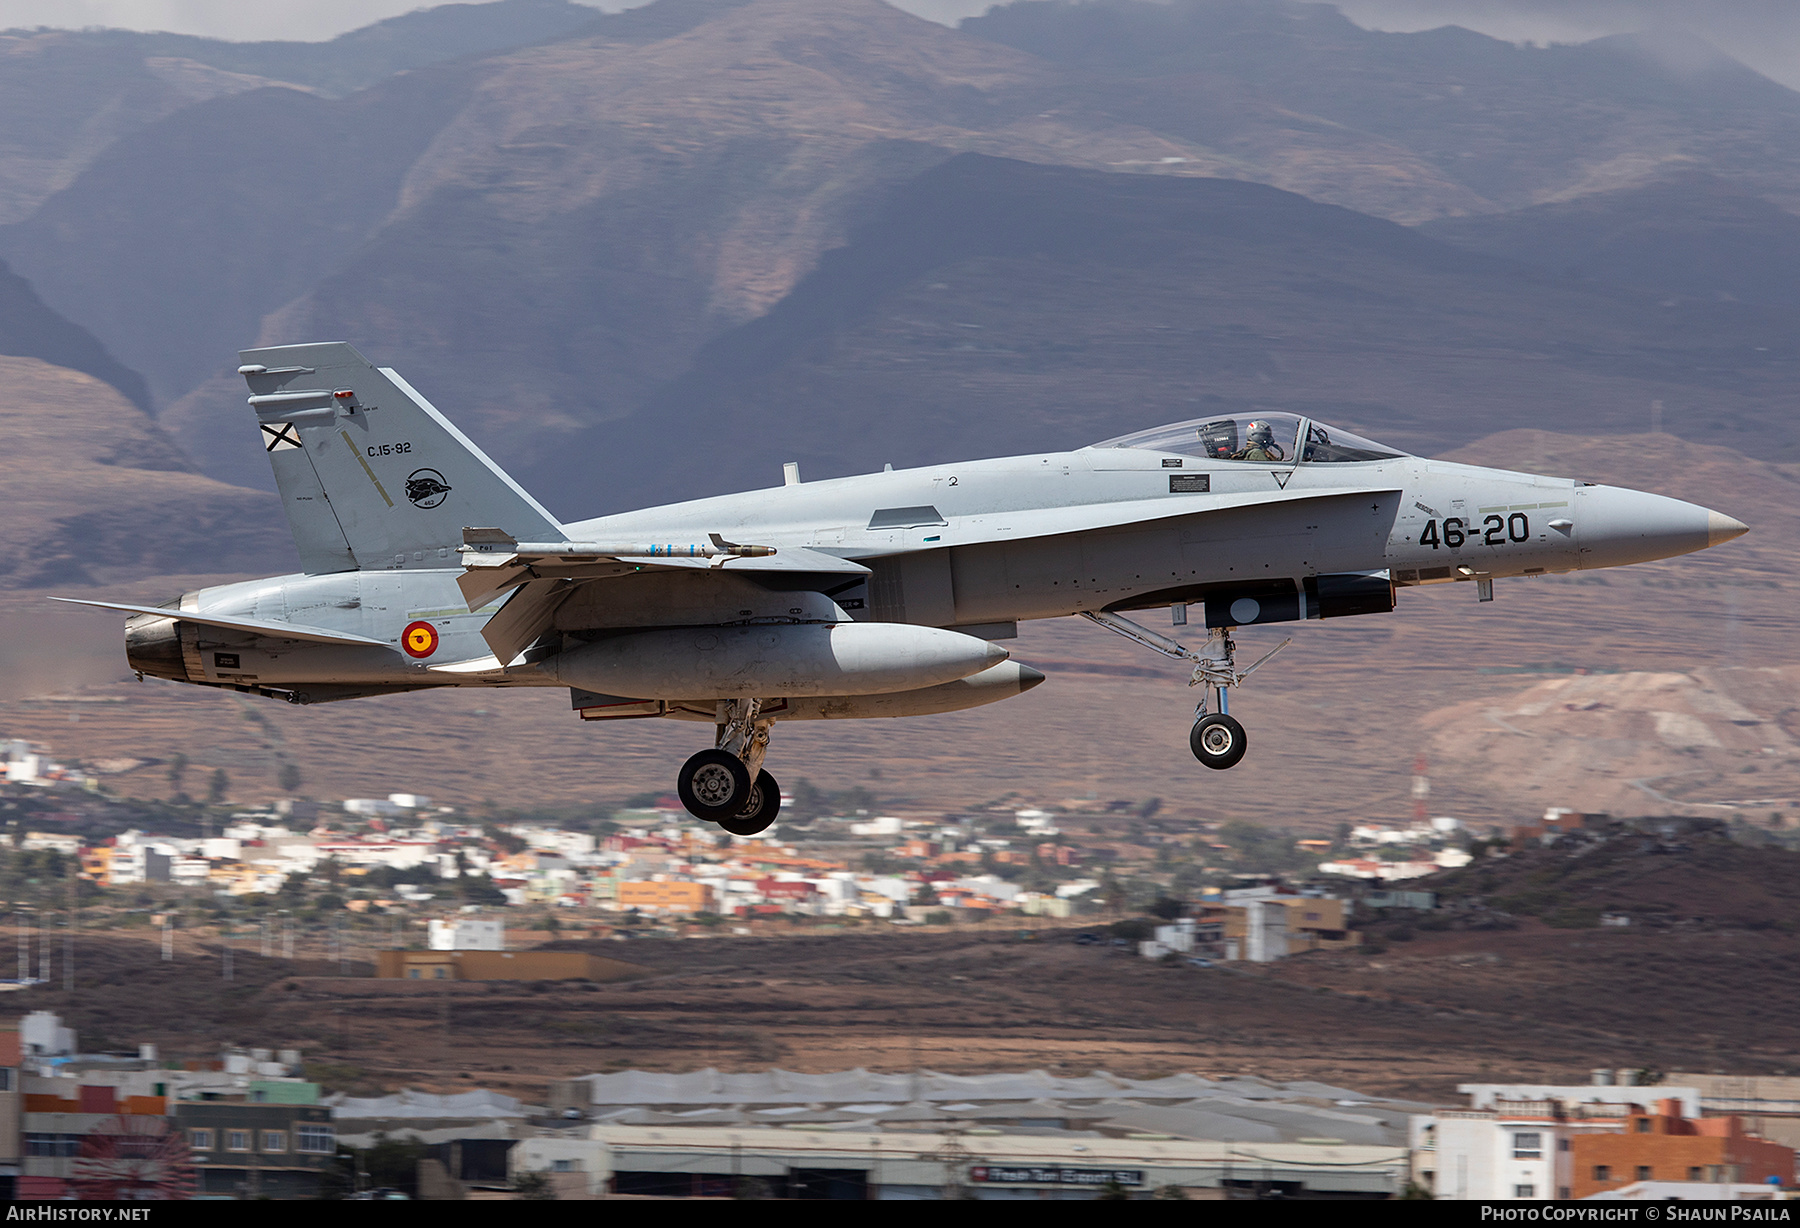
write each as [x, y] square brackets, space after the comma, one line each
[726, 785]
[1216, 739]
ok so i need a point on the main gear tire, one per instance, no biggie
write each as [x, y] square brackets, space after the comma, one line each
[759, 812]
[713, 785]
[1217, 741]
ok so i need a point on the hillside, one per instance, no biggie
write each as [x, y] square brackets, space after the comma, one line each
[1693, 237]
[1660, 873]
[28, 329]
[95, 493]
[69, 95]
[1509, 124]
[988, 307]
[617, 201]
[550, 224]
[360, 58]
[1529, 1005]
[175, 245]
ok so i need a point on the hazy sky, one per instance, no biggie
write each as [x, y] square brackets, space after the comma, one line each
[1765, 34]
[1762, 33]
[238, 20]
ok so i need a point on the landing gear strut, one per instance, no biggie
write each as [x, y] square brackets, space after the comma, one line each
[726, 785]
[1217, 739]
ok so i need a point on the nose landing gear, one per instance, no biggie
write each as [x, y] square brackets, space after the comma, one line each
[726, 785]
[1217, 739]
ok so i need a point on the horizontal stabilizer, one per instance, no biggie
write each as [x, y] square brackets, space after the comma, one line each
[249, 626]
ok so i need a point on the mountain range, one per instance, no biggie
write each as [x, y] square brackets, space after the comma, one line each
[652, 255]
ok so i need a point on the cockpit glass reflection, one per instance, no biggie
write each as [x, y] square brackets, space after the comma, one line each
[1327, 445]
[1256, 439]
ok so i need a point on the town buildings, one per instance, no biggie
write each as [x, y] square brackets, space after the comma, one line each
[272, 1147]
[1662, 1143]
[106, 1126]
[1769, 1105]
[1535, 1142]
[250, 1125]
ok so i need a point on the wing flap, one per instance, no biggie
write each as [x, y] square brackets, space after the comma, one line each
[526, 615]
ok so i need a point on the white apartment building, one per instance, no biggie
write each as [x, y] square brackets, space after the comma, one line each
[467, 934]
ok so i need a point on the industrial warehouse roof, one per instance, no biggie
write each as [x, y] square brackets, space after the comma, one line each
[710, 1086]
[477, 1104]
[1174, 1161]
[1186, 1105]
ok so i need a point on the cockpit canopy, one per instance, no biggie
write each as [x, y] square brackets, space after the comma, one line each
[1258, 438]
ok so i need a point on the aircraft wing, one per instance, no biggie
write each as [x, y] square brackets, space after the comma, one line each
[545, 574]
[250, 626]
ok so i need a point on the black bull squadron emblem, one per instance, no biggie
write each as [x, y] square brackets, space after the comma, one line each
[426, 488]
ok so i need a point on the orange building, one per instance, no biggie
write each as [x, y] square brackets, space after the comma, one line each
[755, 855]
[1314, 923]
[1665, 1146]
[676, 897]
[96, 864]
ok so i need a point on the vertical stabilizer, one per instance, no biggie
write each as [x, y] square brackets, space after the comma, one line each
[372, 476]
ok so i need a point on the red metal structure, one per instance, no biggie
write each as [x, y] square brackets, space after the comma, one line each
[133, 1157]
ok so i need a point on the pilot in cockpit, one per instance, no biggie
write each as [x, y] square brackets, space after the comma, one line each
[1259, 443]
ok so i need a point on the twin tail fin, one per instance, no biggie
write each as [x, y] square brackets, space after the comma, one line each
[372, 477]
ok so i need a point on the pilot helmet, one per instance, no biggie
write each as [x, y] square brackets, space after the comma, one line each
[1259, 434]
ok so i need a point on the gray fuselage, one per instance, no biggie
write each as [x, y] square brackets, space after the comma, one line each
[977, 546]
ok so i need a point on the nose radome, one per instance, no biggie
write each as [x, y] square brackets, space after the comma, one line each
[1722, 528]
[1618, 526]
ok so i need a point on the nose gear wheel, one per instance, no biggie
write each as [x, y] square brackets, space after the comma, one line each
[1217, 740]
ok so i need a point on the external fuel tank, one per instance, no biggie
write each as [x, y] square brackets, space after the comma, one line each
[774, 660]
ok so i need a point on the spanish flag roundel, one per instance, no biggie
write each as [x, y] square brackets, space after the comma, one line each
[419, 639]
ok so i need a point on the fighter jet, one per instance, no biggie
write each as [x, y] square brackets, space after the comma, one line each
[887, 594]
